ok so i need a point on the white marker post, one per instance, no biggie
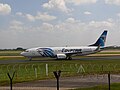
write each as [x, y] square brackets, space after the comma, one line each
[46, 69]
[35, 72]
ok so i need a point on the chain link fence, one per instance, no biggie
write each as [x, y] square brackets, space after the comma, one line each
[84, 73]
[46, 70]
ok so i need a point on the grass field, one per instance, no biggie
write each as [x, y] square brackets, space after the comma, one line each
[34, 71]
[10, 53]
[114, 86]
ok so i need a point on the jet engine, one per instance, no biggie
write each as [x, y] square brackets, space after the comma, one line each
[61, 56]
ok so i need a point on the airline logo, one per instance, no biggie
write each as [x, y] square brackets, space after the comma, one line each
[101, 40]
[46, 52]
[71, 50]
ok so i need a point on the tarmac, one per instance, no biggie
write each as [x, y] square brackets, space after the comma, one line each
[89, 57]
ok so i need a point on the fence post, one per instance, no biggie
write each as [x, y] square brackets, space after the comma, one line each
[35, 70]
[11, 79]
[46, 69]
[57, 75]
[109, 81]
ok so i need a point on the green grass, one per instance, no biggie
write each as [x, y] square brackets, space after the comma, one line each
[12, 58]
[108, 52]
[26, 71]
[114, 86]
[10, 53]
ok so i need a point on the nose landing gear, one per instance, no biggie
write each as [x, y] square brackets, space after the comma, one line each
[30, 59]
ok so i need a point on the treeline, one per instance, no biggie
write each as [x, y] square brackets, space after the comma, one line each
[112, 47]
[22, 49]
[17, 49]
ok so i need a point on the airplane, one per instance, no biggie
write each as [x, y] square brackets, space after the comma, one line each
[66, 52]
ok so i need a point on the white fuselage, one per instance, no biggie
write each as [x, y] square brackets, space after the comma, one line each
[58, 52]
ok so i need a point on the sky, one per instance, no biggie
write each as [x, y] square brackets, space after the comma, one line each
[33, 23]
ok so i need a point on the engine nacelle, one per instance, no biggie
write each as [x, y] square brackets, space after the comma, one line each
[61, 56]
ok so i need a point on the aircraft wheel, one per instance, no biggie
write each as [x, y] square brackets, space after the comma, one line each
[30, 59]
[69, 58]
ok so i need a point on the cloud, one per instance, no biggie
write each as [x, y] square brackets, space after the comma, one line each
[61, 4]
[87, 13]
[99, 24]
[70, 20]
[16, 25]
[59, 34]
[118, 14]
[73, 25]
[79, 2]
[40, 16]
[47, 26]
[30, 17]
[114, 2]
[19, 13]
[57, 4]
[44, 16]
[15, 22]
[5, 9]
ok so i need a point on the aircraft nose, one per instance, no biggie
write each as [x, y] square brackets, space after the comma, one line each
[22, 53]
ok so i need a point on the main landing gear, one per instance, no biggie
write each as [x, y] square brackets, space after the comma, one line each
[30, 59]
[69, 58]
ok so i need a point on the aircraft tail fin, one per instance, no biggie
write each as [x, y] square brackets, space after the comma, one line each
[101, 40]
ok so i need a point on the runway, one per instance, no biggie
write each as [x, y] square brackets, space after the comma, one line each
[113, 57]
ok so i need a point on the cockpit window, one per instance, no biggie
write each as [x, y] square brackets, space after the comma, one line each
[26, 50]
